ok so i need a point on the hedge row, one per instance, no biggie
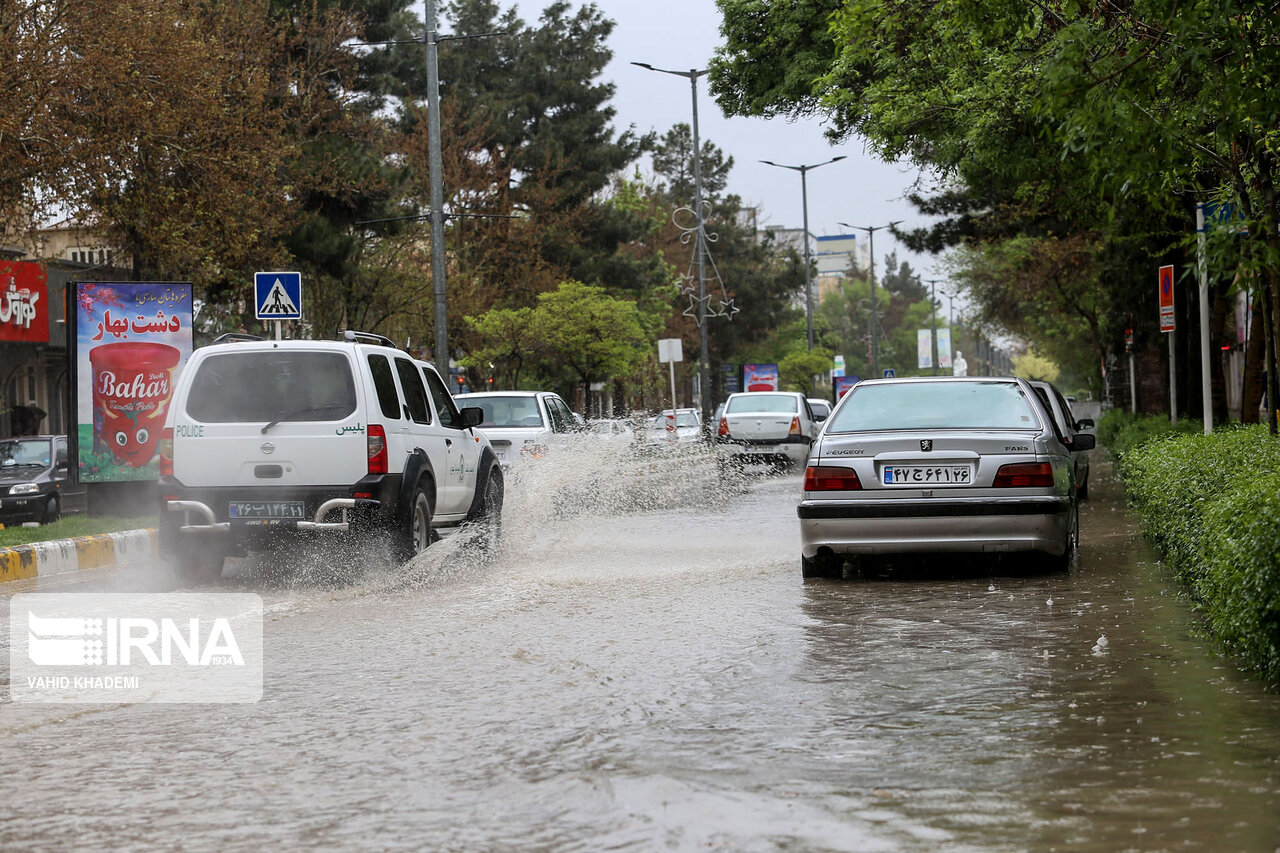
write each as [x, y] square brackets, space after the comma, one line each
[1211, 506]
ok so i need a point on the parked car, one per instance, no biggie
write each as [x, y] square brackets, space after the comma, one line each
[35, 480]
[821, 408]
[522, 424]
[936, 465]
[765, 428]
[1068, 427]
[272, 439]
[678, 426]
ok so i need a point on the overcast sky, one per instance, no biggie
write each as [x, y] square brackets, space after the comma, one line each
[682, 35]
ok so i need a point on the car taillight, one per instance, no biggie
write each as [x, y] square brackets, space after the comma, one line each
[795, 425]
[830, 478]
[723, 429]
[377, 438]
[165, 448]
[1024, 474]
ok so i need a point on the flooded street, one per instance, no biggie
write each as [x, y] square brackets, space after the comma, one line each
[642, 668]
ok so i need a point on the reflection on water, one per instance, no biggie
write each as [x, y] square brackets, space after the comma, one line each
[641, 667]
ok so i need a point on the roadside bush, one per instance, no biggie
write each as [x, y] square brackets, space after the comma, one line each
[1204, 503]
[1122, 431]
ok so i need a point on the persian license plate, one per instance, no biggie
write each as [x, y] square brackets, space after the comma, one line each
[267, 512]
[927, 475]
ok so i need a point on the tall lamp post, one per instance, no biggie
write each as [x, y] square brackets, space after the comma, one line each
[871, 246]
[704, 359]
[804, 200]
[933, 325]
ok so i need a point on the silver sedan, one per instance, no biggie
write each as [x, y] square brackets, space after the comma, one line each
[936, 465]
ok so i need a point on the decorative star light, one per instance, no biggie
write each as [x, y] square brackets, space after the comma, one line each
[700, 306]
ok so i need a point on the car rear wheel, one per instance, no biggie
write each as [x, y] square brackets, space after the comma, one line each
[1072, 545]
[822, 565]
[490, 517]
[199, 567]
[416, 533]
[1083, 492]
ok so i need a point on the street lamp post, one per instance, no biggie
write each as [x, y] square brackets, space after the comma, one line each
[704, 358]
[804, 200]
[933, 325]
[871, 246]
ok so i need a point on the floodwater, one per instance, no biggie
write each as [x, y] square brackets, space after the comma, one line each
[643, 668]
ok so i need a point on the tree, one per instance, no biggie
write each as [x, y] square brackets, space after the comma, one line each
[673, 160]
[507, 339]
[596, 336]
[1035, 367]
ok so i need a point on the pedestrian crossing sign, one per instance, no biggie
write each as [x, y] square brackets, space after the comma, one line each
[278, 295]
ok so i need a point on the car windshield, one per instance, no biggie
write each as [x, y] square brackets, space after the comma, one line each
[245, 387]
[25, 451]
[934, 405]
[515, 411]
[784, 404]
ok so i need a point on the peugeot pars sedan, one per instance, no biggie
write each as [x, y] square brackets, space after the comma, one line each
[936, 465]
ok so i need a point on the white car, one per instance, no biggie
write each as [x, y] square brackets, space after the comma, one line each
[271, 439]
[766, 428]
[820, 407]
[679, 426]
[522, 424]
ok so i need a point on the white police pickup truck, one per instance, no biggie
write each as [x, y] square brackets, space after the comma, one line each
[267, 440]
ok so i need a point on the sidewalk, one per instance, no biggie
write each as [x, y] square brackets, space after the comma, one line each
[59, 556]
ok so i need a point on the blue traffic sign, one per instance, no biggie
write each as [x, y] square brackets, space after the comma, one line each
[278, 295]
[889, 373]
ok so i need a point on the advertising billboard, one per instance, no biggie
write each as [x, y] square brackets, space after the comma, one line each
[760, 377]
[24, 302]
[131, 339]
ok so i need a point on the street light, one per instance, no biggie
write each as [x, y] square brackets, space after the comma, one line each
[871, 247]
[804, 197]
[704, 359]
[933, 326]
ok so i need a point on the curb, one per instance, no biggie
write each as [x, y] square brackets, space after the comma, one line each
[58, 556]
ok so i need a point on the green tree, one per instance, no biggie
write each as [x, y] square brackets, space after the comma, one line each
[507, 340]
[673, 160]
[1031, 365]
[596, 336]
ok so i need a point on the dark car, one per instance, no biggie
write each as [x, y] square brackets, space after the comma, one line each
[35, 481]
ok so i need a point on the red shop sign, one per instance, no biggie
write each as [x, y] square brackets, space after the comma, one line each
[24, 302]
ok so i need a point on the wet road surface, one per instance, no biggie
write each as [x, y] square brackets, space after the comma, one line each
[643, 668]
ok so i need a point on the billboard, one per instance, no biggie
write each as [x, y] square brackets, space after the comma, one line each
[924, 349]
[130, 339]
[944, 347]
[841, 384]
[1166, 298]
[760, 377]
[24, 302]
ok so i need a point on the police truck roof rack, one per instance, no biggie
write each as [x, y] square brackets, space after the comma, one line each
[235, 337]
[353, 336]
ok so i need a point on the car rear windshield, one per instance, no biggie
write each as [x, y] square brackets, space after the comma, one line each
[277, 385]
[780, 403]
[507, 411]
[683, 419]
[935, 405]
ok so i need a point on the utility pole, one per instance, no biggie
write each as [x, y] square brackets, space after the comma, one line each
[804, 201]
[435, 165]
[875, 333]
[933, 326]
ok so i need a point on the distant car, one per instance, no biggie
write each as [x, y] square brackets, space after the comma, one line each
[938, 465]
[681, 426]
[1068, 427]
[35, 480]
[765, 428]
[522, 424]
[821, 408]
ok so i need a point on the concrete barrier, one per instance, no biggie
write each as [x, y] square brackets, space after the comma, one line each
[57, 556]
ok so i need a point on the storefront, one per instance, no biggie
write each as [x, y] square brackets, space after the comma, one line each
[34, 374]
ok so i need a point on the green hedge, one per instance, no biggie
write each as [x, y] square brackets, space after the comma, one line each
[1211, 505]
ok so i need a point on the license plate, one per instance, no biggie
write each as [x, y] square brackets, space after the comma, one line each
[927, 475]
[267, 512]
